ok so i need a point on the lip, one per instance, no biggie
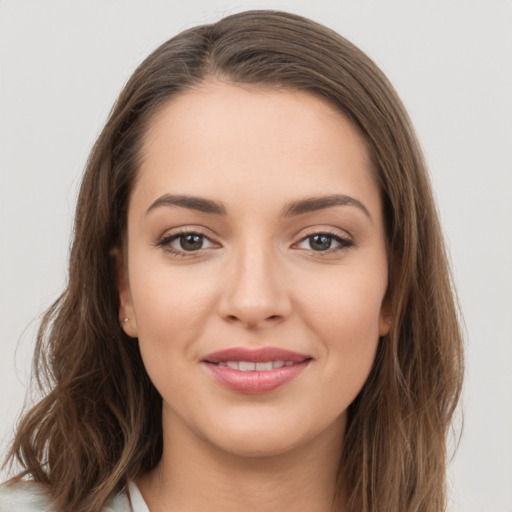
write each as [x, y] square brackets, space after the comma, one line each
[255, 382]
[258, 355]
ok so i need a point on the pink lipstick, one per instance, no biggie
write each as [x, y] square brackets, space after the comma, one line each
[255, 371]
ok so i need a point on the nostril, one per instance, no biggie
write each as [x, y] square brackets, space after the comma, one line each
[235, 318]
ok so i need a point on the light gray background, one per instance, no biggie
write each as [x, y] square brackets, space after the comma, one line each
[63, 63]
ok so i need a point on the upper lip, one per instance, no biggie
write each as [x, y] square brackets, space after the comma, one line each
[258, 355]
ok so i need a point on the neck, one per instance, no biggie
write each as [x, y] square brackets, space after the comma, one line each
[193, 474]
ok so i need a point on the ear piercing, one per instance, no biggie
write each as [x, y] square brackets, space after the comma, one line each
[124, 320]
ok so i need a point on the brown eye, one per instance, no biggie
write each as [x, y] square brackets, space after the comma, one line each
[324, 242]
[320, 242]
[183, 243]
[191, 242]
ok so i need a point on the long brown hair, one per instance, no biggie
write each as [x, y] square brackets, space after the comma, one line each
[99, 423]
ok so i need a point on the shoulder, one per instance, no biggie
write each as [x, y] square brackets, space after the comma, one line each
[25, 496]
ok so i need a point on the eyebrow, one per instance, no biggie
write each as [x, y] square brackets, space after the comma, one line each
[192, 203]
[320, 203]
[295, 208]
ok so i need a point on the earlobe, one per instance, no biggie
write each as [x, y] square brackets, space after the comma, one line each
[385, 323]
[386, 317]
[126, 312]
[129, 328]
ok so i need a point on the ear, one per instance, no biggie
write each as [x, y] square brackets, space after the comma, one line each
[385, 317]
[126, 311]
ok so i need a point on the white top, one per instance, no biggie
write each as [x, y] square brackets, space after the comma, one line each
[137, 501]
[31, 497]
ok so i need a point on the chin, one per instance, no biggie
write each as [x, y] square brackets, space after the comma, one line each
[270, 436]
[258, 444]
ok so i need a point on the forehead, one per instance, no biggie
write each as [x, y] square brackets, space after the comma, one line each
[221, 138]
[261, 111]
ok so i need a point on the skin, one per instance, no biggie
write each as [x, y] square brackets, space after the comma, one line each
[257, 281]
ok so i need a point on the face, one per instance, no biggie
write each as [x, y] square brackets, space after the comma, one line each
[255, 269]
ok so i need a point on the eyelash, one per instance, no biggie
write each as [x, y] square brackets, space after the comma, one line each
[344, 243]
[165, 243]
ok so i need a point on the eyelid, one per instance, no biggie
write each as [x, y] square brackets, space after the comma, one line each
[177, 236]
[173, 234]
[326, 230]
[187, 229]
[344, 240]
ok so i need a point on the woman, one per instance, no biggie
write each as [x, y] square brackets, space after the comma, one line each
[259, 312]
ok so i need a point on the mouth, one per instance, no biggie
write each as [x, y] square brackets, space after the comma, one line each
[255, 371]
[248, 366]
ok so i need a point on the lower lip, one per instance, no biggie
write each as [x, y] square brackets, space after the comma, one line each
[254, 382]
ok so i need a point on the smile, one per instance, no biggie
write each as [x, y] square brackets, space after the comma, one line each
[255, 371]
[248, 366]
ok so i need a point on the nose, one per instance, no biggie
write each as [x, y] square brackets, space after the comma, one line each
[254, 293]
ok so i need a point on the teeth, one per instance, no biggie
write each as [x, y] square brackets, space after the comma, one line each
[264, 366]
[247, 366]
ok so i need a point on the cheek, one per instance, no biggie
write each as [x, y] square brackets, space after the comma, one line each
[344, 314]
[171, 314]
[170, 307]
[348, 303]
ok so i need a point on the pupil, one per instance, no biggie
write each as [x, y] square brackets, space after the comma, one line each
[191, 242]
[321, 242]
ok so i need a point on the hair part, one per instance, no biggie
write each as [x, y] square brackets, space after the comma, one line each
[90, 434]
